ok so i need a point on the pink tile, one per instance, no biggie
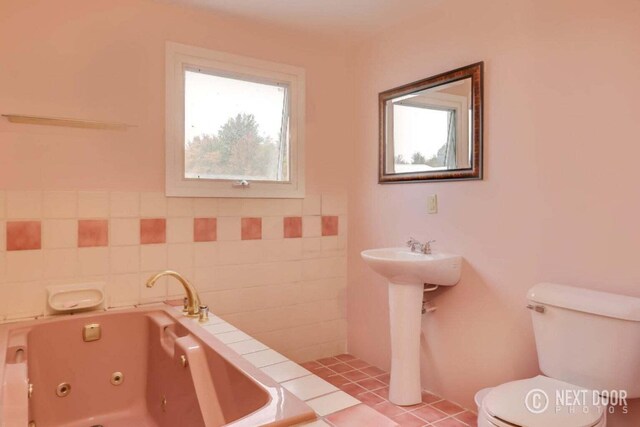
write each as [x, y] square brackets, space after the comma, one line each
[341, 367]
[408, 420]
[323, 372]
[251, 228]
[384, 378]
[352, 388]
[383, 392]
[153, 231]
[389, 409]
[345, 357]
[369, 398]
[468, 417]
[449, 422]
[355, 375]
[292, 227]
[24, 235]
[329, 225]
[328, 361]
[371, 384]
[430, 398]
[448, 407]
[358, 364]
[360, 415]
[336, 380]
[373, 371]
[311, 365]
[204, 230]
[429, 413]
[93, 233]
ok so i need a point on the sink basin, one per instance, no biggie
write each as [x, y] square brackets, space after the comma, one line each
[407, 273]
[400, 265]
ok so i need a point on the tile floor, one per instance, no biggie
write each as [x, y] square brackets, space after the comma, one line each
[370, 385]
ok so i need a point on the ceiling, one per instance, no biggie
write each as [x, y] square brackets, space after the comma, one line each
[347, 18]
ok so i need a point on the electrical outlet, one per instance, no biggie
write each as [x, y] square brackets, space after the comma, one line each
[432, 204]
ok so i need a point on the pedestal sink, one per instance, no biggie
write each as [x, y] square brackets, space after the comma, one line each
[407, 272]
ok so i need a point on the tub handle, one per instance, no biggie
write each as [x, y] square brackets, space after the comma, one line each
[537, 308]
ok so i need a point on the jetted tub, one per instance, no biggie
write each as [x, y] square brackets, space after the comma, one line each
[150, 367]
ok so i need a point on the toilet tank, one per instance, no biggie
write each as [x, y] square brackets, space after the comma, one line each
[587, 338]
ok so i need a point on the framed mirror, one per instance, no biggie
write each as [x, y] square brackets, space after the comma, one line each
[432, 129]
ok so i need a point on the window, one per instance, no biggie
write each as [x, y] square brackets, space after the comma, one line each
[235, 125]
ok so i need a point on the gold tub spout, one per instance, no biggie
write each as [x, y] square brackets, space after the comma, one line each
[193, 300]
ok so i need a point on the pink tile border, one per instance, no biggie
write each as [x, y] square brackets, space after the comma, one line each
[251, 229]
[205, 230]
[292, 227]
[329, 225]
[24, 235]
[153, 231]
[93, 233]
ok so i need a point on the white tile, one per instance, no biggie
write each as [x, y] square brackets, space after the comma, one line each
[180, 257]
[316, 423]
[179, 207]
[24, 266]
[59, 233]
[230, 207]
[22, 300]
[291, 207]
[124, 232]
[205, 207]
[285, 371]
[3, 235]
[312, 205]
[228, 228]
[60, 263]
[272, 227]
[93, 261]
[93, 204]
[231, 337]
[311, 226]
[246, 347]
[24, 204]
[265, 358]
[3, 270]
[153, 257]
[205, 254]
[330, 403]
[179, 230]
[219, 328]
[124, 259]
[308, 387]
[213, 320]
[123, 289]
[153, 205]
[157, 293]
[334, 204]
[60, 204]
[124, 205]
[3, 205]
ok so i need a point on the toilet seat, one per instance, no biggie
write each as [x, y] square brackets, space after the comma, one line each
[505, 405]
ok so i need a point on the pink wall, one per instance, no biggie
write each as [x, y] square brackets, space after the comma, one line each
[104, 60]
[559, 199]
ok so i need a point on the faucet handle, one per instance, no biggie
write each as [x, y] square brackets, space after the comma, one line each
[203, 315]
[426, 248]
[185, 304]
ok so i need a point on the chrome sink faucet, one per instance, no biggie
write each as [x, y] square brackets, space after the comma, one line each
[416, 246]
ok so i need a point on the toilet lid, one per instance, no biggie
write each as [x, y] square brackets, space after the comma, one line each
[543, 402]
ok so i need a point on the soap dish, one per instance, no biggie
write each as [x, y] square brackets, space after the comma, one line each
[76, 297]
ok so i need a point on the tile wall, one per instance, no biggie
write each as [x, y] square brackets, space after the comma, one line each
[275, 268]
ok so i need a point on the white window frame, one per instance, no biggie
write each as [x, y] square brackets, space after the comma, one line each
[180, 57]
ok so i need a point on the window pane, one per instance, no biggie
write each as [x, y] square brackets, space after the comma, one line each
[235, 129]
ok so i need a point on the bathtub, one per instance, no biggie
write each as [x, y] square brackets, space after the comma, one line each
[148, 366]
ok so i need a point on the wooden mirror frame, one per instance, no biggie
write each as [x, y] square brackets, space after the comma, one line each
[473, 71]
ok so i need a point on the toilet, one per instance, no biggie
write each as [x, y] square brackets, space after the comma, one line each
[588, 346]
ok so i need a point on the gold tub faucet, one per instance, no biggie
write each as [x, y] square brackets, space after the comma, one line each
[193, 300]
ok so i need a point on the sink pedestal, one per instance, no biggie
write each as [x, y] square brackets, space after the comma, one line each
[405, 310]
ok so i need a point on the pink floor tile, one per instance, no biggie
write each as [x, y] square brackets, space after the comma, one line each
[352, 388]
[383, 392]
[323, 372]
[448, 407]
[389, 409]
[384, 378]
[371, 384]
[449, 422]
[336, 380]
[355, 375]
[345, 357]
[328, 361]
[311, 365]
[360, 415]
[468, 417]
[429, 413]
[369, 398]
[373, 371]
[430, 398]
[341, 367]
[358, 364]
[408, 420]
